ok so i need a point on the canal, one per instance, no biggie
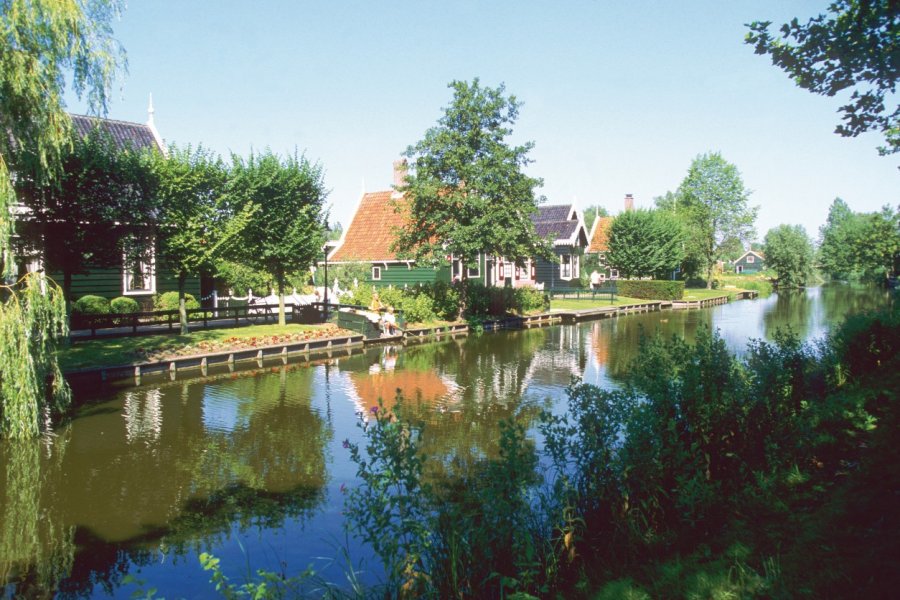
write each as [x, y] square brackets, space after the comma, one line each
[251, 465]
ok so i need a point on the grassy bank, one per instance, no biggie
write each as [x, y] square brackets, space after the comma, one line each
[125, 350]
[693, 294]
[599, 302]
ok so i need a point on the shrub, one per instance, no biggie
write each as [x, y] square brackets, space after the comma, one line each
[418, 309]
[169, 301]
[650, 289]
[530, 300]
[92, 305]
[124, 305]
[446, 300]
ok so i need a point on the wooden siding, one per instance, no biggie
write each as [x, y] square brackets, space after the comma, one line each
[108, 283]
[399, 275]
[548, 273]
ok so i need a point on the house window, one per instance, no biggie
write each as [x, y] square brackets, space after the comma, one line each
[750, 258]
[376, 273]
[565, 266]
[138, 274]
[474, 273]
[613, 273]
[508, 270]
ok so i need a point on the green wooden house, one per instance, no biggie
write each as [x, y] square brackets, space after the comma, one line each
[368, 241]
[135, 278]
[751, 261]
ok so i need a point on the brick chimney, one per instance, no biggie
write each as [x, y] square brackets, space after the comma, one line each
[400, 169]
[629, 202]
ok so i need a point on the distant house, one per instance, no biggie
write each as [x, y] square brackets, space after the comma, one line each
[136, 277]
[751, 261]
[599, 245]
[369, 239]
[563, 225]
[371, 233]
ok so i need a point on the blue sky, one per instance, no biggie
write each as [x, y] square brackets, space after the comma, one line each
[618, 97]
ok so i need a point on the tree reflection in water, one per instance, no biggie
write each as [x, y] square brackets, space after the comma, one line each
[124, 486]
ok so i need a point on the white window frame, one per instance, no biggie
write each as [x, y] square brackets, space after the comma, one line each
[750, 259]
[147, 269]
[376, 273]
[508, 270]
[476, 272]
[613, 273]
[565, 266]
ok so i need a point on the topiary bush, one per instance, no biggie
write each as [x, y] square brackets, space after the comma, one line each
[650, 289]
[169, 301]
[92, 305]
[124, 305]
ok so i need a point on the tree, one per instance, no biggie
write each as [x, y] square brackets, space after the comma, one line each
[856, 46]
[44, 44]
[285, 234]
[99, 189]
[789, 252]
[645, 243]
[714, 205]
[836, 254]
[876, 244]
[196, 223]
[592, 213]
[859, 245]
[466, 193]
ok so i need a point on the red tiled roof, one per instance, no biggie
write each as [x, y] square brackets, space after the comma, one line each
[372, 231]
[600, 235]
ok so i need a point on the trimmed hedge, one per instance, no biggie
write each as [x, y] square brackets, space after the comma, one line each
[124, 305]
[92, 305]
[169, 301]
[650, 289]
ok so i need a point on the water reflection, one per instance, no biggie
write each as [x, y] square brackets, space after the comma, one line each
[150, 474]
[161, 471]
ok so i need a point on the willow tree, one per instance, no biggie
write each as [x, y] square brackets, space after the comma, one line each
[44, 44]
[286, 233]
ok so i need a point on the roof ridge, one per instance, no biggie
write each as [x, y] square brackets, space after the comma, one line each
[123, 122]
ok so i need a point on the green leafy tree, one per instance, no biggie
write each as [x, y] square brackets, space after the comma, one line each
[876, 244]
[466, 193]
[285, 234]
[44, 44]
[197, 224]
[789, 252]
[714, 206]
[836, 253]
[856, 46]
[645, 243]
[99, 189]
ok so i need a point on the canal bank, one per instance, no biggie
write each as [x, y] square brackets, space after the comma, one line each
[199, 365]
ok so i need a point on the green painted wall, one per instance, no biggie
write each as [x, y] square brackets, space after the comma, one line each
[108, 283]
[755, 267]
[399, 275]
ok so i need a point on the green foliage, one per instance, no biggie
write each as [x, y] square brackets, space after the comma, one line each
[45, 43]
[286, 231]
[169, 301]
[645, 243]
[466, 193]
[32, 388]
[240, 279]
[79, 217]
[471, 533]
[650, 289]
[344, 274]
[199, 223]
[859, 245]
[92, 305]
[124, 305]
[789, 252]
[713, 205]
[856, 46]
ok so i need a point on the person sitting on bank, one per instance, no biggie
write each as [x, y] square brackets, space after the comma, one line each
[375, 305]
[389, 322]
